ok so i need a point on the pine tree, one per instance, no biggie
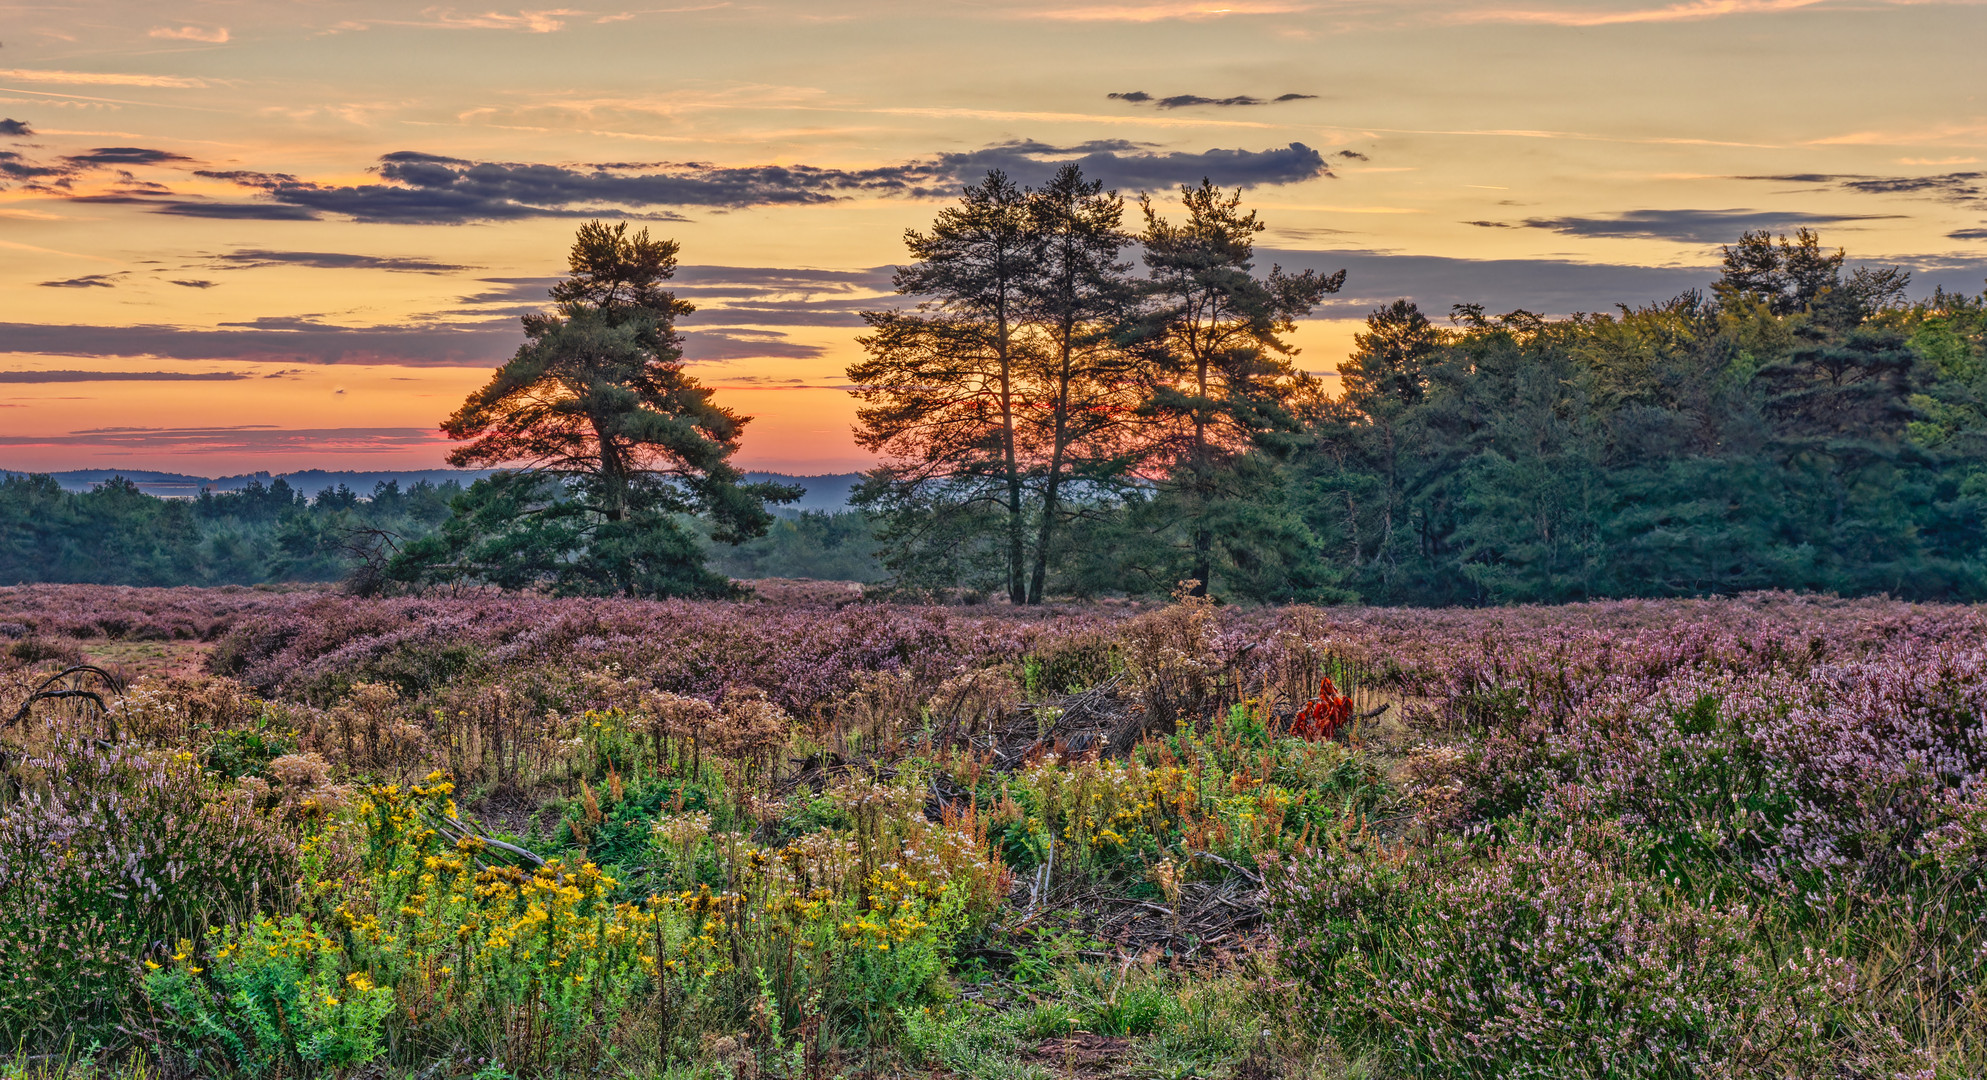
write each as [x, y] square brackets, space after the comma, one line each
[941, 389]
[612, 438]
[1217, 367]
[1082, 390]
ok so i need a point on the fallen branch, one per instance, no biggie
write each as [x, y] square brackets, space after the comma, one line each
[463, 832]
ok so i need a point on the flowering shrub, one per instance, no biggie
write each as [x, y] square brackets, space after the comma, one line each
[1222, 788]
[427, 945]
[273, 996]
[108, 854]
[1549, 957]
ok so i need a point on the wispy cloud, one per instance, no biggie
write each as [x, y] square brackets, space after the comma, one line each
[1684, 12]
[213, 35]
[1955, 134]
[1958, 188]
[729, 296]
[331, 260]
[1165, 9]
[119, 376]
[87, 281]
[242, 439]
[542, 21]
[101, 78]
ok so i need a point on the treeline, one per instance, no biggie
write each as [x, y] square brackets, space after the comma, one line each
[1071, 408]
[115, 534]
[1056, 422]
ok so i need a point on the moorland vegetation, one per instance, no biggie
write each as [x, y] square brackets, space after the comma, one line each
[310, 834]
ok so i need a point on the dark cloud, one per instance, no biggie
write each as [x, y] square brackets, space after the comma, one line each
[17, 129]
[236, 211]
[59, 176]
[330, 260]
[1118, 167]
[87, 281]
[1491, 224]
[276, 340]
[304, 339]
[1691, 226]
[720, 343]
[1352, 155]
[253, 438]
[1547, 286]
[1965, 188]
[14, 166]
[116, 156]
[194, 283]
[118, 376]
[1968, 234]
[430, 189]
[756, 280]
[1181, 101]
[784, 297]
[420, 188]
[752, 295]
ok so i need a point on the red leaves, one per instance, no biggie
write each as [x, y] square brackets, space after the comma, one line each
[1324, 715]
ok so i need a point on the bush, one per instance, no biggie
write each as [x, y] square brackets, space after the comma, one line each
[108, 854]
[1546, 957]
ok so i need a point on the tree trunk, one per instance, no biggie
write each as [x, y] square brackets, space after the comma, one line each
[1017, 587]
[1052, 485]
[1203, 564]
[613, 477]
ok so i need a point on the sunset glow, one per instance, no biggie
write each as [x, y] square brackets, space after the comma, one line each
[288, 235]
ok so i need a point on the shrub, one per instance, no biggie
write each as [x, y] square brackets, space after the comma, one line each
[1546, 957]
[107, 855]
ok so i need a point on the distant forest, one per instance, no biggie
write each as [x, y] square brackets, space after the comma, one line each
[1055, 424]
[114, 534]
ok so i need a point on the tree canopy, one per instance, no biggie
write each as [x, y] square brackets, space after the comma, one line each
[610, 439]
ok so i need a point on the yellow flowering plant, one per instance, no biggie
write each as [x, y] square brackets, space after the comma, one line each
[270, 995]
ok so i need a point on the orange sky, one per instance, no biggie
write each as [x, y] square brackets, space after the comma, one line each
[282, 235]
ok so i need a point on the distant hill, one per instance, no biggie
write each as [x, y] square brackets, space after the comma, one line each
[825, 492]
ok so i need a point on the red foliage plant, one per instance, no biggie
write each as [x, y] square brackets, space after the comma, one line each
[1324, 715]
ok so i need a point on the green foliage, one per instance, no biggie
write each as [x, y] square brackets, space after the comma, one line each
[106, 853]
[116, 534]
[1806, 431]
[274, 997]
[615, 441]
[825, 545]
[528, 530]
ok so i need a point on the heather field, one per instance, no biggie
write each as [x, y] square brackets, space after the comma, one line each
[300, 834]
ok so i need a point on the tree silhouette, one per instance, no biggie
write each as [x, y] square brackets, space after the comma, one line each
[940, 386]
[611, 438]
[1217, 363]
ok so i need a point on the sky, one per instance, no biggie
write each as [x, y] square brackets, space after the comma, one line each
[239, 235]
